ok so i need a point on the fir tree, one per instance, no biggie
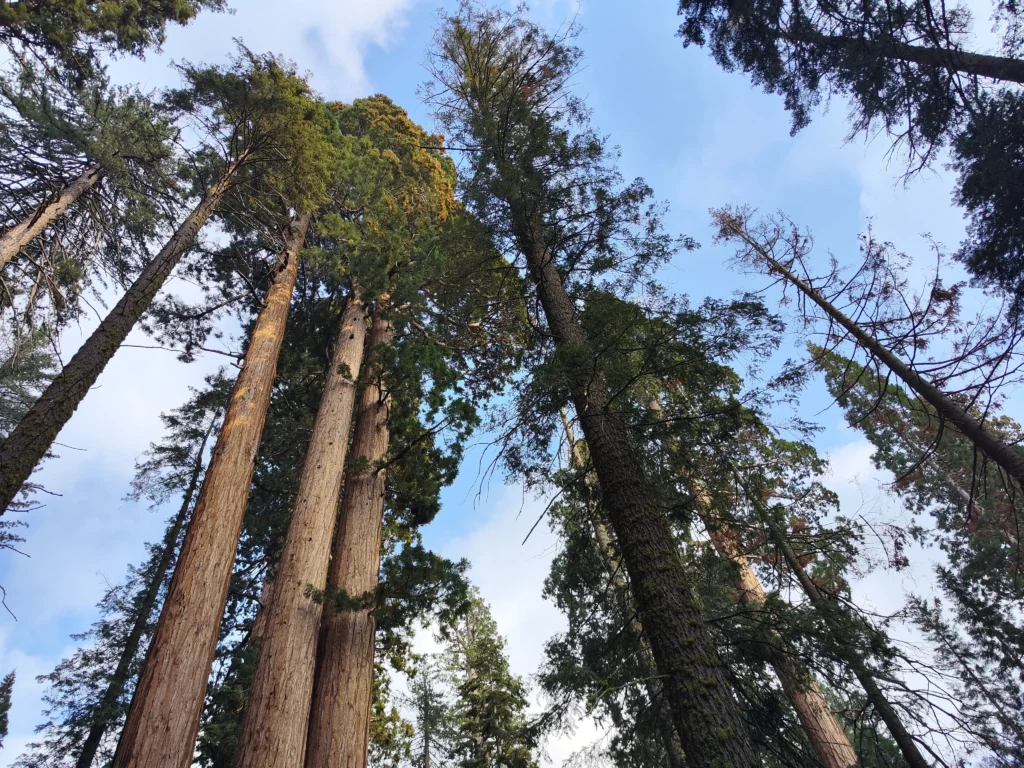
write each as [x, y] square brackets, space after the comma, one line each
[6, 688]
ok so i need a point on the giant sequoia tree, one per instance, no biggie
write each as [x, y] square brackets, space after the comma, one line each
[543, 180]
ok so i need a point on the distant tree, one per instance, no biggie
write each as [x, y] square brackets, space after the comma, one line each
[489, 710]
[6, 688]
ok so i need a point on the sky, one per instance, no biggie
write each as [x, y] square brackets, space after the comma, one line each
[699, 136]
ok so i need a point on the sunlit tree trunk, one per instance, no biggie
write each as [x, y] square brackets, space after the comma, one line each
[164, 716]
[339, 724]
[118, 681]
[277, 712]
[29, 228]
[31, 439]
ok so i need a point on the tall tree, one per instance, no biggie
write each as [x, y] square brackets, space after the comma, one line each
[500, 86]
[255, 110]
[6, 688]
[774, 249]
[89, 692]
[164, 715]
[489, 711]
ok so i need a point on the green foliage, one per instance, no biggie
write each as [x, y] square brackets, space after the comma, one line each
[6, 689]
[73, 33]
[989, 156]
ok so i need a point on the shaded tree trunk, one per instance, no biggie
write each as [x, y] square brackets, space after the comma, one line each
[827, 736]
[115, 689]
[965, 62]
[26, 446]
[162, 722]
[277, 712]
[673, 747]
[904, 740]
[339, 723]
[27, 230]
[707, 716]
[1011, 460]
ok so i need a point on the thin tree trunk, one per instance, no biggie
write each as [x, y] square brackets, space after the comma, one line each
[31, 439]
[277, 712]
[904, 740]
[827, 736]
[998, 451]
[29, 228]
[673, 747]
[978, 64]
[115, 688]
[339, 723]
[707, 716]
[164, 716]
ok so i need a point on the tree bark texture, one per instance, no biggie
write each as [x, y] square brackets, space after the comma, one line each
[115, 689]
[707, 716]
[826, 735]
[339, 723]
[904, 740]
[26, 446]
[164, 716]
[277, 712]
[670, 741]
[29, 228]
[1002, 454]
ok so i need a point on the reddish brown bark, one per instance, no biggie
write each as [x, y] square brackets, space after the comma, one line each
[31, 439]
[29, 228]
[339, 723]
[164, 716]
[825, 733]
[277, 713]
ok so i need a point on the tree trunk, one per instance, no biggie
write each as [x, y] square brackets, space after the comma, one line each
[164, 716]
[977, 64]
[339, 724]
[673, 747]
[277, 712]
[827, 736]
[115, 689]
[1002, 454]
[882, 706]
[707, 716]
[29, 228]
[31, 439]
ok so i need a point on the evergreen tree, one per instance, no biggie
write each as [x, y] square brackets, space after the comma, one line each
[255, 112]
[6, 688]
[490, 728]
[73, 33]
[906, 67]
[543, 180]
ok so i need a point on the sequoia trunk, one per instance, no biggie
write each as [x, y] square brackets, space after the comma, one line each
[339, 724]
[706, 714]
[115, 689]
[277, 712]
[164, 716]
[29, 228]
[31, 439]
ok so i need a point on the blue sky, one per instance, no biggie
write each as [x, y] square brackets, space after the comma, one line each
[700, 137]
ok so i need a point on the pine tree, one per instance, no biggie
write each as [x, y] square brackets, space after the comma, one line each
[73, 33]
[6, 688]
[257, 109]
[489, 712]
[500, 86]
